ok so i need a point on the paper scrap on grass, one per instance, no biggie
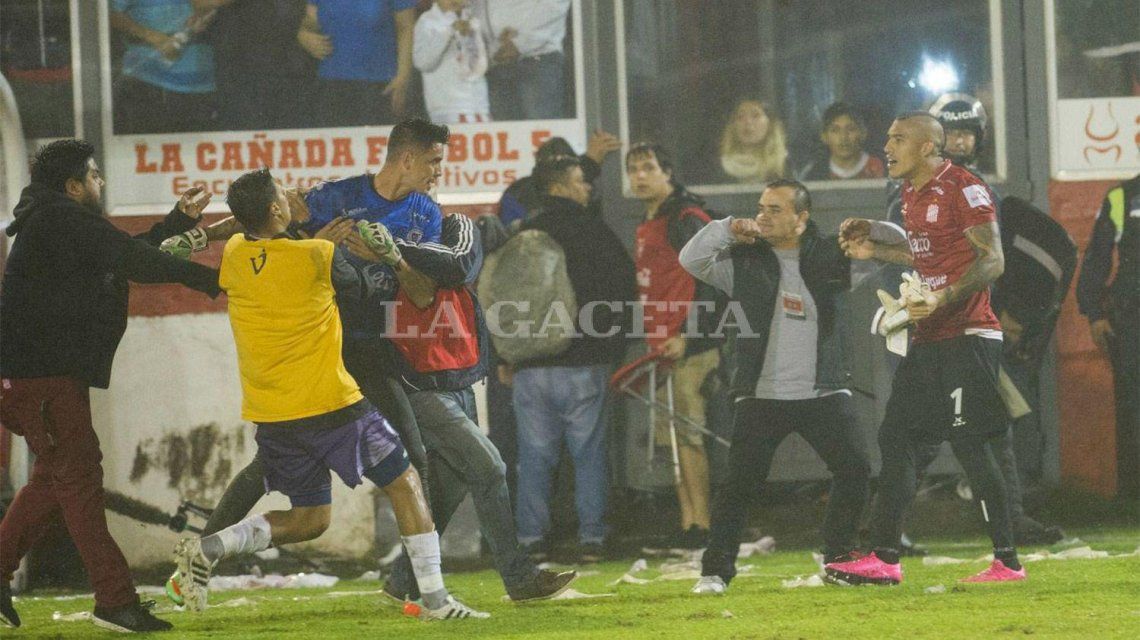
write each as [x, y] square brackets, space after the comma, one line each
[272, 581]
[71, 617]
[814, 580]
[573, 594]
[938, 588]
[1075, 553]
[761, 547]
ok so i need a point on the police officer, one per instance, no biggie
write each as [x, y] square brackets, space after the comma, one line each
[1113, 310]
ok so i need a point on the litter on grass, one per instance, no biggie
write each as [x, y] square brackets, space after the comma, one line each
[272, 581]
[814, 580]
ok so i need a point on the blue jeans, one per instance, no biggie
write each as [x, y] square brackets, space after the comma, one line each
[465, 460]
[552, 405]
[530, 89]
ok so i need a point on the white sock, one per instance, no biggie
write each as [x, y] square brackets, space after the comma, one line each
[423, 549]
[249, 535]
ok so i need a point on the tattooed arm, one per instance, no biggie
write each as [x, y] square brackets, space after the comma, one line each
[988, 265]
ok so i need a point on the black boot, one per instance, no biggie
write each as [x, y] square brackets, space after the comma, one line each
[8, 615]
[134, 617]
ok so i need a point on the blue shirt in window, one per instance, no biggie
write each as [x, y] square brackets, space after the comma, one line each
[191, 72]
[363, 34]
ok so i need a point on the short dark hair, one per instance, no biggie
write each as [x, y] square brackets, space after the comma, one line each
[663, 157]
[250, 196]
[54, 163]
[839, 109]
[552, 172]
[553, 148]
[802, 198]
[418, 134]
[907, 115]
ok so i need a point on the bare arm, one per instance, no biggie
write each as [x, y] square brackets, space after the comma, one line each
[123, 22]
[892, 253]
[988, 265]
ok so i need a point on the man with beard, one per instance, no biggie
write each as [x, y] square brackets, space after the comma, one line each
[64, 310]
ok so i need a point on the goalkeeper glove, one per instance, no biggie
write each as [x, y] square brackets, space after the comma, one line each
[183, 244]
[380, 241]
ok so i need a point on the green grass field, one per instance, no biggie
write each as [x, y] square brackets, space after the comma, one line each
[1093, 599]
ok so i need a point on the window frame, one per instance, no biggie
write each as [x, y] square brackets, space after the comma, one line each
[997, 118]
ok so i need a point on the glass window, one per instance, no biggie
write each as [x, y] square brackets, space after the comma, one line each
[1097, 48]
[740, 90]
[35, 57]
[304, 64]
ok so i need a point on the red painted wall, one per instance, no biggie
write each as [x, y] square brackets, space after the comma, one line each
[1084, 376]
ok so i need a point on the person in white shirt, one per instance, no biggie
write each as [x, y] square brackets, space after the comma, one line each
[451, 53]
[527, 63]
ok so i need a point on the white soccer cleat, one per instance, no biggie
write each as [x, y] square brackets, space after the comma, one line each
[452, 610]
[709, 585]
[194, 570]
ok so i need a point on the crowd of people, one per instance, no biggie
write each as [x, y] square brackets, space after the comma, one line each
[335, 295]
[254, 65]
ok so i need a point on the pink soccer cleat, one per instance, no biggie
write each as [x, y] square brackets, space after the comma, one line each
[866, 570]
[997, 572]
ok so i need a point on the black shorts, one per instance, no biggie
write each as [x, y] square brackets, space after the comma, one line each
[948, 389]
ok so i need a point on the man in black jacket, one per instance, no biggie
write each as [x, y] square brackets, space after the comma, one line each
[64, 310]
[792, 373]
[560, 398]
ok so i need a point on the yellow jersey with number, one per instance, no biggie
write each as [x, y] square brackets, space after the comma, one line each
[283, 311]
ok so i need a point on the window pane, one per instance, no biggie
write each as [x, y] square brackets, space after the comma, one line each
[35, 57]
[1098, 48]
[303, 64]
[739, 89]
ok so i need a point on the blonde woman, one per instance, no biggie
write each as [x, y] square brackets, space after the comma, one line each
[753, 147]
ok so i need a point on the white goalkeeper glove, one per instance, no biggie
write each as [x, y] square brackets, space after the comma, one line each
[184, 244]
[893, 319]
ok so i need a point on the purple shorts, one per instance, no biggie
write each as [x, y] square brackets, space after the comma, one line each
[298, 459]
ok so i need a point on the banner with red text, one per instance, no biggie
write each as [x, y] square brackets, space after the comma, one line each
[144, 171]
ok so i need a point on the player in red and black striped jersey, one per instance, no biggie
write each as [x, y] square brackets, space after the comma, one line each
[947, 386]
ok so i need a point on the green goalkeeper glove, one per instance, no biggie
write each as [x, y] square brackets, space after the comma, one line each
[184, 244]
[380, 241]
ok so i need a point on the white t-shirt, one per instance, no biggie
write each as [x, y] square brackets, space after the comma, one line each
[453, 67]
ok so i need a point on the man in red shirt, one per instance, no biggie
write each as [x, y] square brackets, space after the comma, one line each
[947, 386]
[673, 215]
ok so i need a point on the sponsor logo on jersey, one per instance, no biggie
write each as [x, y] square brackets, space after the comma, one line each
[935, 282]
[932, 213]
[415, 235]
[977, 196]
[919, 244]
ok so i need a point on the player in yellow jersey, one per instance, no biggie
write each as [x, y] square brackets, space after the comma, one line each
[311, 417]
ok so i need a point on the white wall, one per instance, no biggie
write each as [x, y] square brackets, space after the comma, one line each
[173, 408]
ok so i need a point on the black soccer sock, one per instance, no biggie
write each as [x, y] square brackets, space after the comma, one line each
[1008, 557]
[887, 555]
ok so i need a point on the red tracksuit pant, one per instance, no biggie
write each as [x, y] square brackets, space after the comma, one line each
[54, 416]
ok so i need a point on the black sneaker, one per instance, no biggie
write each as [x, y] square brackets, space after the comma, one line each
[8, 615]
[1029, 531]
[400, 594]
[132, 618]
[591, 553]
[544, 585]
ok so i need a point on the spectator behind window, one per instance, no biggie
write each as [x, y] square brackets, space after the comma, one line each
[450, 52]
[843, 134]
[753, 146]
[167, 77]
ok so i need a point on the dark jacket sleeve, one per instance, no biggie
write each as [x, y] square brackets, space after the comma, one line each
[173, 224]
[1097, 265]
[347, 279]
[684, 226]
[590, 170]
[110, 249]
[456, 260]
